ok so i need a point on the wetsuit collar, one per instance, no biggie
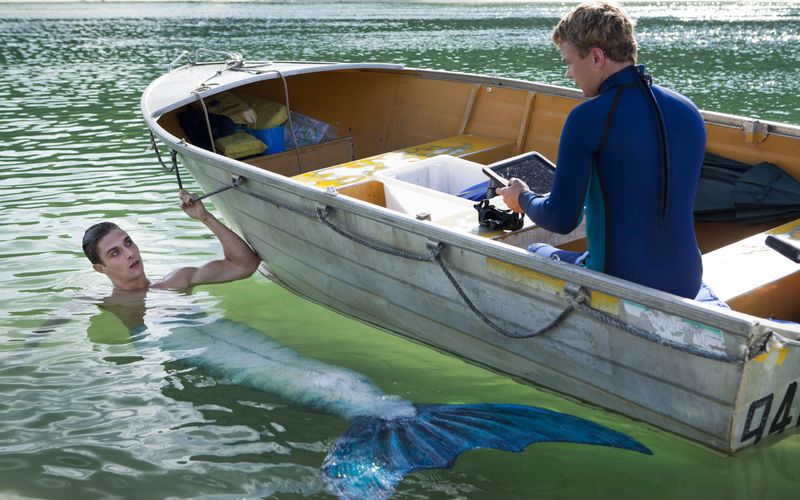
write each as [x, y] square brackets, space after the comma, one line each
[625, 76]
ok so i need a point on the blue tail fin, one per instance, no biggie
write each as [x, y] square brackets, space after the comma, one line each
[374, 454]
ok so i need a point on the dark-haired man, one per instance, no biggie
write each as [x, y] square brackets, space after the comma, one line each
[113, 253]
[631, 156]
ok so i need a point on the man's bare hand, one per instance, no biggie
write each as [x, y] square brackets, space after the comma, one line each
[194, 209]
[511, 194]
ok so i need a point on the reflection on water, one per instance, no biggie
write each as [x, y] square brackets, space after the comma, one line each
[89, 413]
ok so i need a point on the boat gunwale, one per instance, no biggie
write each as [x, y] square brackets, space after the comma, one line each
[293, 68]
[714, 117]
[305, 67]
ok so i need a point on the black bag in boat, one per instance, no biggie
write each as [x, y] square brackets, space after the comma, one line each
[733, 191]
[193, 122]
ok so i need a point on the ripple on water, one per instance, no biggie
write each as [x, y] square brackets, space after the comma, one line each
[90, 413]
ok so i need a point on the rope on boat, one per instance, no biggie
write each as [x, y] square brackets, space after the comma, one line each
[578, 297]
[578, 300]
[196, 92]
[436, 254]
[435, 249]
[238, 64]
[782, 341]
[173, 155]
[289, 115]
[322, 215]
[276, 202]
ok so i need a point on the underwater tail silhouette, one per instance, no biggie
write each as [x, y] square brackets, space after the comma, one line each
[388, 437]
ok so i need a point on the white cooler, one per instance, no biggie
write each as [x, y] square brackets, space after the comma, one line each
[430, 186]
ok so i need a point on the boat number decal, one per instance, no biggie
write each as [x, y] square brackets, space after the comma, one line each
[758, 416]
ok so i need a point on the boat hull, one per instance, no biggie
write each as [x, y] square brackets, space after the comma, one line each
[701, 372]
[582, 357]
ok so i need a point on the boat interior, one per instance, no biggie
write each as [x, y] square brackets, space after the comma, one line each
[388, 120]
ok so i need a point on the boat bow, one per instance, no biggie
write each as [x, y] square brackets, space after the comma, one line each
[188, 83]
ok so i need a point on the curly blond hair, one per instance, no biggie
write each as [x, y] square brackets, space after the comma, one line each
[598, 24]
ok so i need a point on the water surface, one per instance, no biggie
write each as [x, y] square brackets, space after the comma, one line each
[88, 412]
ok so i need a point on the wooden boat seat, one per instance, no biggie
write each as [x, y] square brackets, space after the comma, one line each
[755, 279]
[477, 148]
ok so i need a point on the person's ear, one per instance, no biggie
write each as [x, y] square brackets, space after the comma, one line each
[100, 268]
[598, 56]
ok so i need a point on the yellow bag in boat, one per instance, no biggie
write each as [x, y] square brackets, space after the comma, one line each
[230, 105]
[239, 145]
[269, 114]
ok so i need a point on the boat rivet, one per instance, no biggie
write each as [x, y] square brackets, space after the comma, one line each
[331, 191]
[489, 89]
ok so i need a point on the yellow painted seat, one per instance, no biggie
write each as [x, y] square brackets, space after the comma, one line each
[476, 148]
[755, 279]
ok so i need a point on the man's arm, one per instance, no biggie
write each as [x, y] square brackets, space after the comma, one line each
[239, 261]
[561, 210]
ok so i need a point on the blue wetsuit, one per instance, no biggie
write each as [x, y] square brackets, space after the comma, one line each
[639, 220]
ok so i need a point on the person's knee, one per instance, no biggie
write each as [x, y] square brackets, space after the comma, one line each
[550, 252]
[542, 250]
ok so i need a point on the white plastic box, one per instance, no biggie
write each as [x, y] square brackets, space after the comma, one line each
[430, 186]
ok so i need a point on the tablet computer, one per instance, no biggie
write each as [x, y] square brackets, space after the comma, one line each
[533, 168]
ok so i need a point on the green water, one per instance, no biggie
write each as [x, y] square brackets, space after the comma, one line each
[85, 412]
